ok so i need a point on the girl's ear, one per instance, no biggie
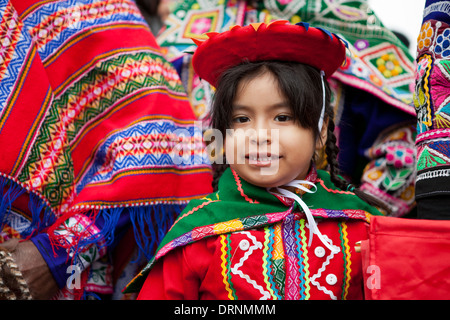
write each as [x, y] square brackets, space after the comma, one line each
[320, 143]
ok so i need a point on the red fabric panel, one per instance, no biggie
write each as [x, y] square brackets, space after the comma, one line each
[407, 259]
[163, 185]
[26, 111]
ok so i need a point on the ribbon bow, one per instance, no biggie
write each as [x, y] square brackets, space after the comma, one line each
[313, 229]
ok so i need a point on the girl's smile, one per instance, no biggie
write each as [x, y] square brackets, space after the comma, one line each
[262, 160]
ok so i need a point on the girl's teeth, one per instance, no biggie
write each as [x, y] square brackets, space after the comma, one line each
[261, 159]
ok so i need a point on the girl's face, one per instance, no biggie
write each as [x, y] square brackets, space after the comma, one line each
[266, 147]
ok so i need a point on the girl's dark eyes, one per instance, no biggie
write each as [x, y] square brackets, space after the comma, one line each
[241, 119]
[279, 118]
[283, 118]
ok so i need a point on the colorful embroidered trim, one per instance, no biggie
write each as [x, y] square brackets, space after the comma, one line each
[292, 290]
[224, 240]
[347, 259]
[271, 268]
[239, 186]
[302, 258]
[223, 227]
[266, 262]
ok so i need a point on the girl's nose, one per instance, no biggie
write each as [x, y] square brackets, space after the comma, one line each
[260, 136]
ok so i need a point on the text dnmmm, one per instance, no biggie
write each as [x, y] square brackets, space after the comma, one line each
[246, 309]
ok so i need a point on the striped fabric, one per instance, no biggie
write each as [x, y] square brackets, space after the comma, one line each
[94, 122]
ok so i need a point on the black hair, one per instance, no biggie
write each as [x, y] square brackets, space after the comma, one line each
[302, 87]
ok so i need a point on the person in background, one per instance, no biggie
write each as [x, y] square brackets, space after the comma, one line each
[155, 12]
[94, 122]
[433, 116]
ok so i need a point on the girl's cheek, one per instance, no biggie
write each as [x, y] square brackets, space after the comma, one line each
[230, 149]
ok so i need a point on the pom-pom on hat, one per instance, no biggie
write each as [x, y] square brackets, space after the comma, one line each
[278, 40]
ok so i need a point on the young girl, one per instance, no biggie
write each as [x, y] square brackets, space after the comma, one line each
[277, 228]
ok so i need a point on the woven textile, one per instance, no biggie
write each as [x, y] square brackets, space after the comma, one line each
[432, 101]
[96, 130]
[391, 173]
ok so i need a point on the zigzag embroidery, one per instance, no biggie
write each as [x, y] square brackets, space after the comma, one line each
[303, 259]
[322, 269]
[235, 269]
[224, 266]
[347, 259]
[239, 186]
[271, 265]
[16, 221]
[433, 174]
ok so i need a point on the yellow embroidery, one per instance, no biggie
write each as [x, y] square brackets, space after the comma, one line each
[265, 255]
[305, 258]
[278, 252]
[224, 266]
[347, 260]
[228, 226]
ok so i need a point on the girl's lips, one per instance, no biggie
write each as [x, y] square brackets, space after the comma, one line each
[262, 160]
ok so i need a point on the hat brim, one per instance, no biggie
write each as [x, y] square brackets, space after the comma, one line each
[262, 42]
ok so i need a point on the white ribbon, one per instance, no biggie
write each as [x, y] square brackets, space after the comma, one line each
[313, 229]
[322, 114]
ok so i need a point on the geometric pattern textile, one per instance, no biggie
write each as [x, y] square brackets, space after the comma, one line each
[94, 125]
[391, 173]
[432, 101]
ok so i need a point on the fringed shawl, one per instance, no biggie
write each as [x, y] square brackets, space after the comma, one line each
[94, 125]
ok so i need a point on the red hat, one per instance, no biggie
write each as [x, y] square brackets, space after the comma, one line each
[278, 40]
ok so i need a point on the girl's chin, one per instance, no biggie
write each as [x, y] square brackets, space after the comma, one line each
[265, 181]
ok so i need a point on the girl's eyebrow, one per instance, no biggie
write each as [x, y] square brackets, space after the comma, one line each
[239, 107]
[279, 105]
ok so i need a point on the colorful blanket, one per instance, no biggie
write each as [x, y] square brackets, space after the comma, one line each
[96, 131]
